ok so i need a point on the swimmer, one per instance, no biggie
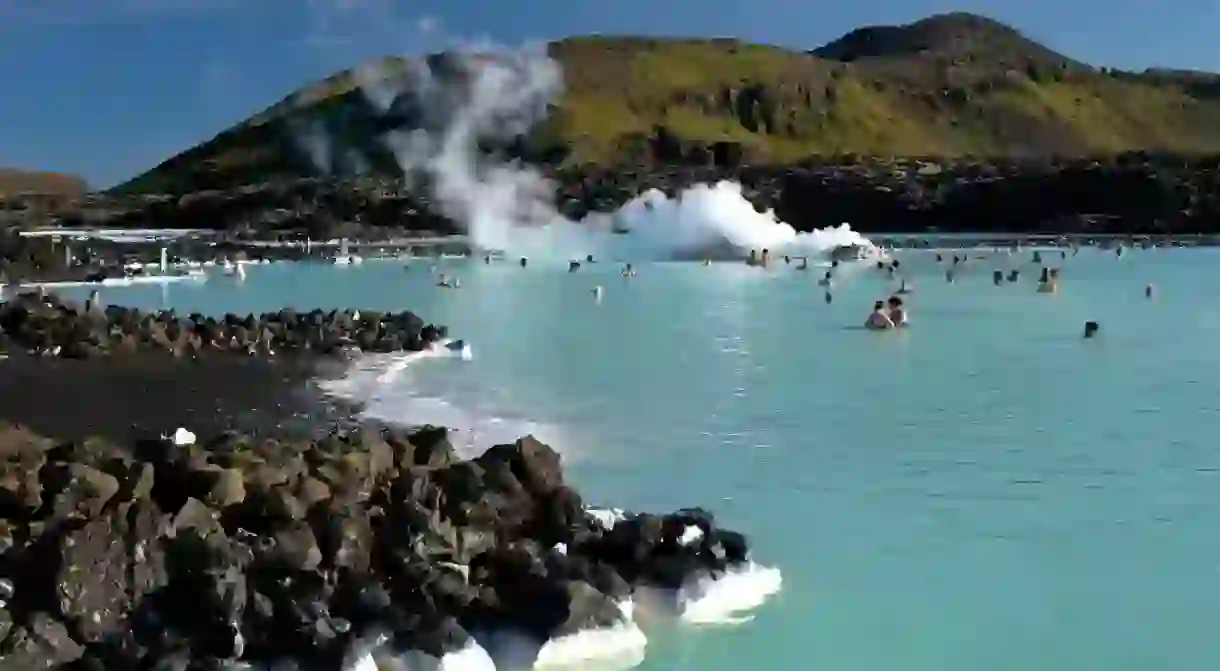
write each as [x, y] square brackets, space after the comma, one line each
[628, 271]
[949, 275]
[898, 316]
[597, 294]
[524, 261]
[1091, 328]
[878, 320]
[707, 262]
[828, 298]
[487, 259]
[589, 258]
[573, 266]
[1150, 291]
[804, 263]
[826, 280]
[997, 277]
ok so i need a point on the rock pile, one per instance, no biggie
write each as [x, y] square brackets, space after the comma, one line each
[47, 325]
[161, 555]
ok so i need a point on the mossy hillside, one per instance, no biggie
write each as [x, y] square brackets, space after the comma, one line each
[784, 104]
[947, 86]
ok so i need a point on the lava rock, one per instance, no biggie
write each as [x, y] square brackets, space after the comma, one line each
[267, 553]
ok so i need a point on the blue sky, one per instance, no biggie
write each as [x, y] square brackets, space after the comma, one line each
[107, 88]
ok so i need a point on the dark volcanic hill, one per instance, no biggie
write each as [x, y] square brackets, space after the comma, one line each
[959, 36]
[947, 86]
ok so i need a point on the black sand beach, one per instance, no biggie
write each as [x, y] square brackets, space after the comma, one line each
[77, 370]
[124, 398]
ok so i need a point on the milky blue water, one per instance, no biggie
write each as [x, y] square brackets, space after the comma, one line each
[986, 490]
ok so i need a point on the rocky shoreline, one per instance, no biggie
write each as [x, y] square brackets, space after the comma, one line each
[1133, 194]
[1137, 193]
[125, 544]
[265, 551]
[42, 324]
[314, 553]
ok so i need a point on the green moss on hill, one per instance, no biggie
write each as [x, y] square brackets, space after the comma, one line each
[947, 86]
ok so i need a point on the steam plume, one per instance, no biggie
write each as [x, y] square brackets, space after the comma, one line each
[449, 105]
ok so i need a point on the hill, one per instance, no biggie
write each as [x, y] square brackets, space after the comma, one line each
[959, 36]
[951, 85]
[15, 182]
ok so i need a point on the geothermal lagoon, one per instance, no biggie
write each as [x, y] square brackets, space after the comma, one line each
[985, 489]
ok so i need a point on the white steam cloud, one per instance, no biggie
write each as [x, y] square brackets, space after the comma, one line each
[489, 94]
[477, 96]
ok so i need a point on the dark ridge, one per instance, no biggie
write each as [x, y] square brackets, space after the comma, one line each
[953, 35]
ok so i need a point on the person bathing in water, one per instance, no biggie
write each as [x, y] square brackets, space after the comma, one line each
[897, 313]
[879, 320]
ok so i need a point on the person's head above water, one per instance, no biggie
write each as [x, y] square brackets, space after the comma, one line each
[878, 306]
[895, 302]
